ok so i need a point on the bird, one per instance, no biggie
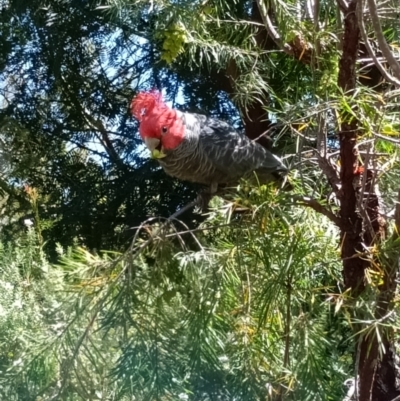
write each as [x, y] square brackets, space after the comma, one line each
[202, 149]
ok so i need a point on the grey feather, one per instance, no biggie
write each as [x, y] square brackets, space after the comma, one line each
[213, 152]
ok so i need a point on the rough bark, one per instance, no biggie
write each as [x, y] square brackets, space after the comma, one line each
[377, 372]
[387, 372]
[352, 228]
[380, 375]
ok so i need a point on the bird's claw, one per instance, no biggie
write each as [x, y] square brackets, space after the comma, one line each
[203, 200]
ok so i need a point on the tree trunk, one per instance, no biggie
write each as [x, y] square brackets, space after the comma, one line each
[377, 370]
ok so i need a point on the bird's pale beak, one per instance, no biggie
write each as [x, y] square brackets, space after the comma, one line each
[153, 144]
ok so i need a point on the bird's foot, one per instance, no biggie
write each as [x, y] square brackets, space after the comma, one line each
[203, 200]
[204, 197]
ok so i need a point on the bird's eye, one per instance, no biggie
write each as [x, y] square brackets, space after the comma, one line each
[164, 130]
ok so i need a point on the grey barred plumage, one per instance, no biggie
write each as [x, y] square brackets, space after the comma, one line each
[213, 152]
[201, 149]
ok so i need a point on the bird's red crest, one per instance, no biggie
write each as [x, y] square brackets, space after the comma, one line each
[146, 103]
[157, 120]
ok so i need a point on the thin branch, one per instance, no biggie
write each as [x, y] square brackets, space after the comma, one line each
[97, 125]
[194, 230]
[314, 204]
[299, 9]
[391, 94]
[104, 139]
[322, 136]
[310, 9]
[153, 235]
[339, 23]
[287, 333]
[343, 6]
[371, 52]
[331, 173]
[316, 11]
[272, 32]
[386, 138]
[384, 47]
[184, 209]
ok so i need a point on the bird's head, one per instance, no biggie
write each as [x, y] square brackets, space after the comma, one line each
[160, 126]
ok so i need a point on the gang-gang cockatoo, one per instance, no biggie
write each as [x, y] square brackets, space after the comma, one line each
[194, 147]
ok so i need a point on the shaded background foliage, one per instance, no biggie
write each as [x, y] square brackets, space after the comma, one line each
[68, 79]
[70, 70]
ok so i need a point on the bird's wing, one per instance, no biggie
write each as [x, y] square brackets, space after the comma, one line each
[227, 149]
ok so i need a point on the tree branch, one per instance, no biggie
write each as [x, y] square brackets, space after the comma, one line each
[331, 174]
[314, 204]
[103, 138]
[386, 138]
[273, 33]
[136, 249]
[316, 11]
[384, 47]
[343, 6]
[97, 125]
[382, 70]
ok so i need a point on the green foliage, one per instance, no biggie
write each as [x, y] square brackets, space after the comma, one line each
[239, 310]
[174, 40]
[65, 130]
[28, 290]
[245, 303]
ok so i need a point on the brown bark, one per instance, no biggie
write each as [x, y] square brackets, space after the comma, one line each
[377, 373]
[387, 373]
[352, 228]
